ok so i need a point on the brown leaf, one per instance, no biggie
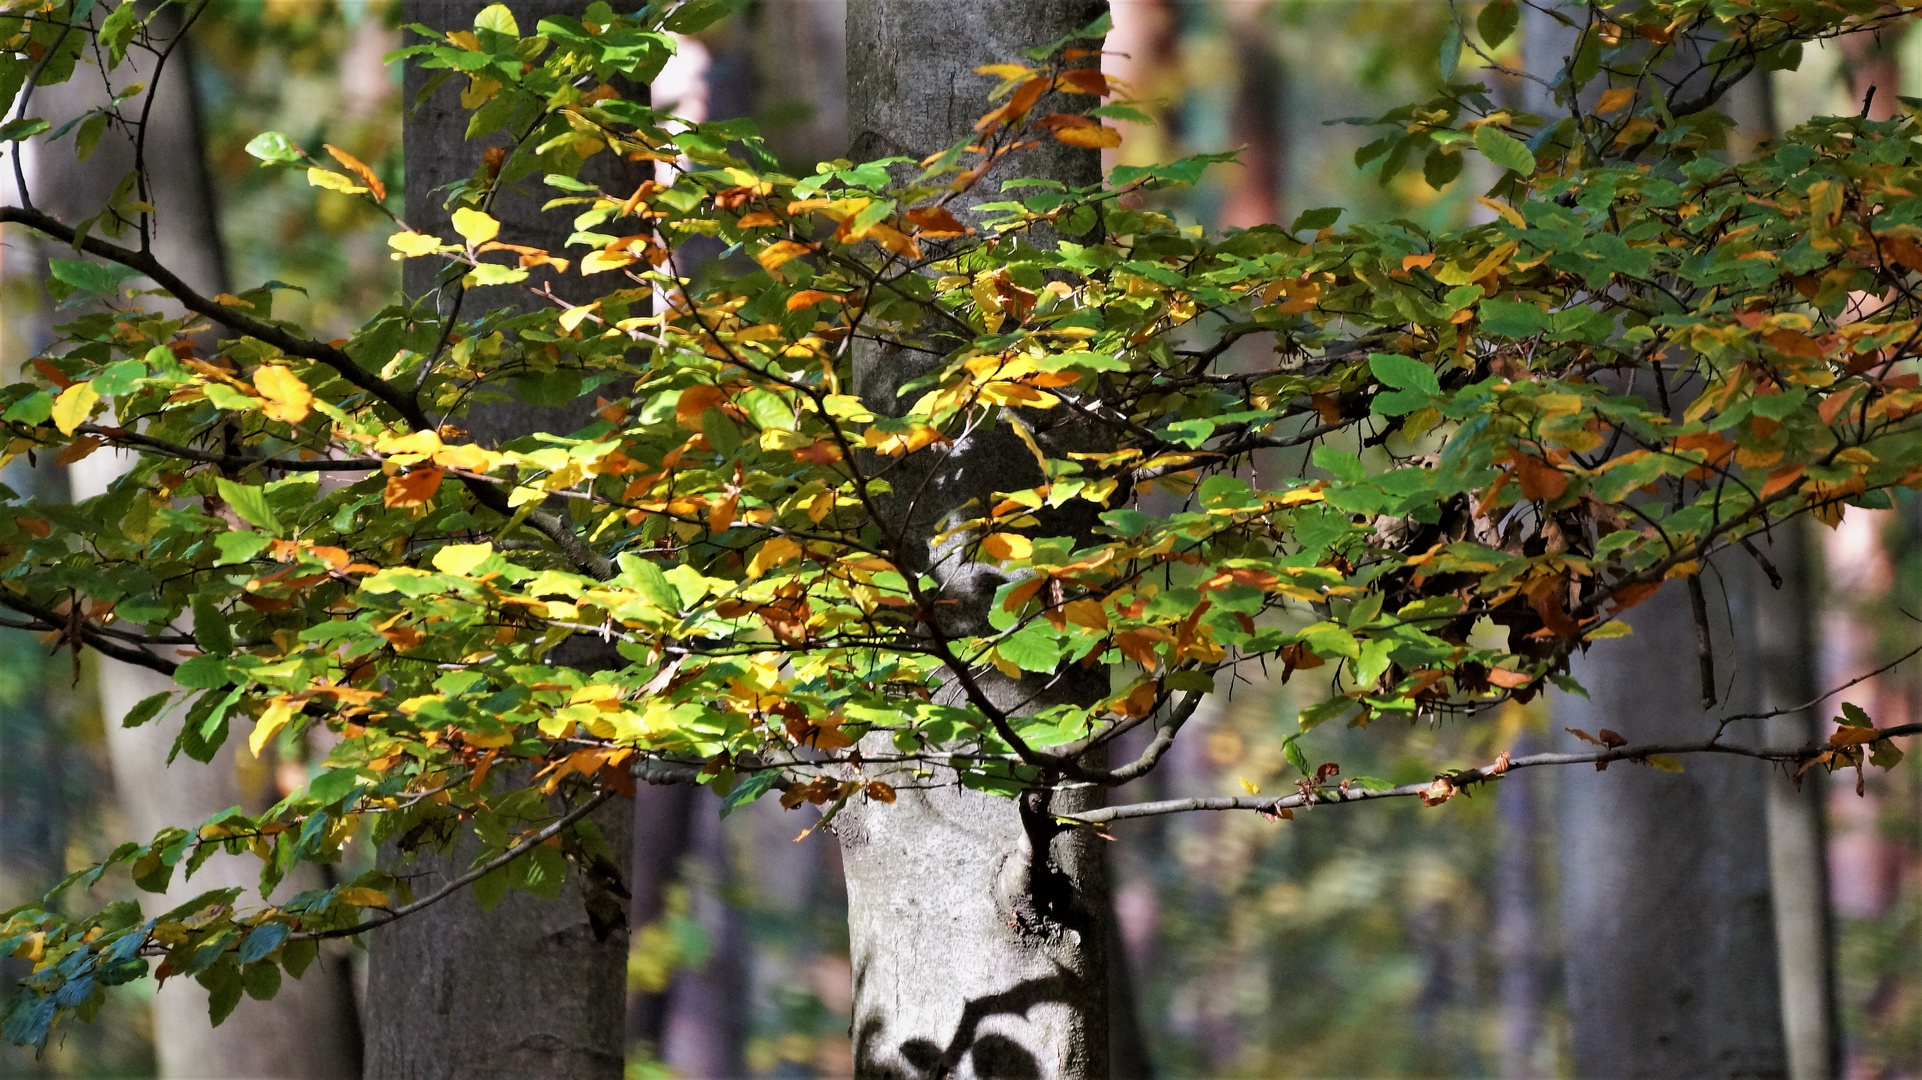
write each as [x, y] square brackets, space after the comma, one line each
[880, 791]
[1083, 81]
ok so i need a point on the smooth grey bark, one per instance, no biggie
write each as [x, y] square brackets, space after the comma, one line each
[1667, 923]
[1667, 920]
[533, 988]
[977, 928]
[310, 1029]
[1520, 933]
[1797, 823]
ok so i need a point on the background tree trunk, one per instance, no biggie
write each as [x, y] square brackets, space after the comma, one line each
[1667, 920]
[310, 1029]
[977, 931]
[1797, 824]
[531, 988]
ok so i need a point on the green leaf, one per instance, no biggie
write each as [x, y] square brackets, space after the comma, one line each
[262, 941]
[1504, 150]
[1316, 715]
[210, 628]
[147, 708]
[249, 502]
[1451, 49]
[1497, 21]
[238, 547]
[1192, 681]
[1316, 220]
[270, 146]
[1854, 716]
[1404, 372]
[497, 18]
[101, 278]
[749, 790]
[31, 410]
[1512, 318]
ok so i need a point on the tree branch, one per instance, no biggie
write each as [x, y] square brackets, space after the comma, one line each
[1457, 780]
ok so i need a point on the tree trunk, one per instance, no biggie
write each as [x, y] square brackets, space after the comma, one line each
[309, 1030]
[977, 928]
[1798, 832]
[1670, 939]
[533, 988]
[1519, 933]
[1668, 930]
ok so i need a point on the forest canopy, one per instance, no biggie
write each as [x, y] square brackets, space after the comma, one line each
[1428, 466]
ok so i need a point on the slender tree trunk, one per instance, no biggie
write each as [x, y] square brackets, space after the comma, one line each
[310, 1028]
[1667, 923]
[1798, 827]
[1521, 983]
[533, 988]
[978, 930]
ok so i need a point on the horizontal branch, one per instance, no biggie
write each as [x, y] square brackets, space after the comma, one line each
[102, 642]
[1457, 780]
[122, 438]
[650, 771]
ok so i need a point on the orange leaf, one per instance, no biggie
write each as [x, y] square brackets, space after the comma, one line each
[756, 220]
[1853, 736]
[37, 526]
[414, 488]
[1629, 595]
[695, 402]
[360, 169]
[1540, 480]
[809, 298]
[1793, 343]
[1782, 478]
[935, 222]
[1018, 596]
[1417, 262]
[1507, 679]
[1083, 81]
[818, 453]
[1086, 613]
[880, 791]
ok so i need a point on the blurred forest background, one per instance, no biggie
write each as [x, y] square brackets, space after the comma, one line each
[1389, 940]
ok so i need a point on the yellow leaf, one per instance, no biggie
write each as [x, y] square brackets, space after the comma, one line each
[288, 399]
[279, 711]
[469, 457]
[332, 181]
[414, 244]
[73, 406]
[1614, 100]
[780, 251]
[474, 226]
[1094, 137]
[1004, 71]
[772, 554]
[599, 261]
[1507, 212]
[1008, 546]
[361, 896]
[1664, 763]
[359, 168]
[573, 317]
[460, 559]
[1249, 786]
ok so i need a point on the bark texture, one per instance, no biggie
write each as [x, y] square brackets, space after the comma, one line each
[309, 1031]
[1798, 828]
[1666, 909]
[533, 988]
[977, 930]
